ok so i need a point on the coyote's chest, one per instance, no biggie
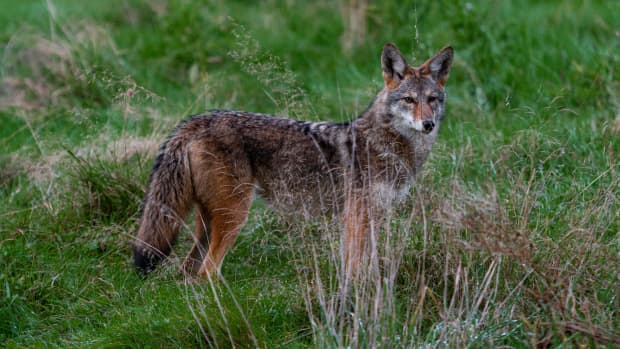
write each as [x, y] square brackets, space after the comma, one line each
[385, 195]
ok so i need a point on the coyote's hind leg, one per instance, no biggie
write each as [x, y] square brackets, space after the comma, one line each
[225, 224]
[194, 259]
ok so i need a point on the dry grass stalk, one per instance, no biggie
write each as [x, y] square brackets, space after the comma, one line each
[353, 14]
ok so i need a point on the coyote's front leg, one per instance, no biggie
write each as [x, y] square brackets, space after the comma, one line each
[356, 230]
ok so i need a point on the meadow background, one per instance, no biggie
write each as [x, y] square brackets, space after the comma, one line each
[510, 237]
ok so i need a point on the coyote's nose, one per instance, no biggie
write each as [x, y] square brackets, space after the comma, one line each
[428, 126]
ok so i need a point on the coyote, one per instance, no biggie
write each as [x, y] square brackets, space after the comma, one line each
[357, 169]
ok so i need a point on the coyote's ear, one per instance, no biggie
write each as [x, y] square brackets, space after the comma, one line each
[394, 66]
[439, 65]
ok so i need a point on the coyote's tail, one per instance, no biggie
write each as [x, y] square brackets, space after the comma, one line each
[168, 199]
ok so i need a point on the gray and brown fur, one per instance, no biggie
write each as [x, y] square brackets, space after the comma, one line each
[219, 161]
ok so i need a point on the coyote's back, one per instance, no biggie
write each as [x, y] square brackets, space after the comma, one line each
[217, 162]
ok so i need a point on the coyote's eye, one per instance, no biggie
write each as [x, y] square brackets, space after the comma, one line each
[409, 99]
[431, 99]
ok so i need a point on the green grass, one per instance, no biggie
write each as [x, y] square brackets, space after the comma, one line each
[520, 197]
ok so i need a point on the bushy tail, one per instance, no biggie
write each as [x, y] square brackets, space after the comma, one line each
[169, 198]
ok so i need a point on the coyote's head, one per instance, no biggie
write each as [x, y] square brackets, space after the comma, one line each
[413, 98]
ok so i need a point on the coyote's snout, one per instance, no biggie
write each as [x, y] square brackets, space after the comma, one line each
[358, 169]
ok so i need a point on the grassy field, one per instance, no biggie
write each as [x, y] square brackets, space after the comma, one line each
[511, 236]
